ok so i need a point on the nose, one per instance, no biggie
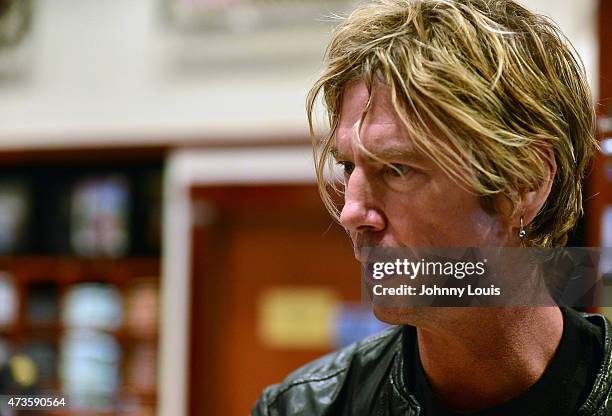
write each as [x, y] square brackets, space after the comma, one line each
[360, 212]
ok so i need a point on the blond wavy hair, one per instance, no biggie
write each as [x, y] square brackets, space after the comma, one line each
[483, 86]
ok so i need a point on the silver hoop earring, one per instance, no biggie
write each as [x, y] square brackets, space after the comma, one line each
[522, 231]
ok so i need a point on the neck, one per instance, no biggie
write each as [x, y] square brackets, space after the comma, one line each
[489, 355]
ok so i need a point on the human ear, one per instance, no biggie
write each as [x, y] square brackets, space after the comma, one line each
[532, 201]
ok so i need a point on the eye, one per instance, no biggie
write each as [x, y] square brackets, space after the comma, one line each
[397, 169]
[348, 167]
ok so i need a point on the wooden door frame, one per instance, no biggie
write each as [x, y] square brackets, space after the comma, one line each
[185, 169]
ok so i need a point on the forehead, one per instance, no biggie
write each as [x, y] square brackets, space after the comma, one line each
[355, 98]
[381, 127]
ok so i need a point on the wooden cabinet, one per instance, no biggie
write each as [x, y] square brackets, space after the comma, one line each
[47, 271]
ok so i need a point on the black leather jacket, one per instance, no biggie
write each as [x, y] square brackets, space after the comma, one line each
[366, 378]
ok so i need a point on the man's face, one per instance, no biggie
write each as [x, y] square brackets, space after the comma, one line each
[422, 206]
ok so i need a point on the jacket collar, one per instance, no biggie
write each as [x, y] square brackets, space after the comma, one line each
[600, 397]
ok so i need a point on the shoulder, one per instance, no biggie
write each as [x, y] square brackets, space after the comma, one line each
[322, 379]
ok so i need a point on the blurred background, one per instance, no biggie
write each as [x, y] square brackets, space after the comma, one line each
[163, 249]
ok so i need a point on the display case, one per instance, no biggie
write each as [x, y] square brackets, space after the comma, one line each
[79, 279]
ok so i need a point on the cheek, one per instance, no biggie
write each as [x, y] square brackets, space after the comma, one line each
[444, 218]
[483, 229]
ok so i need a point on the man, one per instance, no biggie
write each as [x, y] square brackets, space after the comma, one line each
[458, 123]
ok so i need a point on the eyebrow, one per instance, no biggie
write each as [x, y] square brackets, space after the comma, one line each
[389, 153]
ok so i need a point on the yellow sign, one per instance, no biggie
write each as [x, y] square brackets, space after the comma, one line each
[297, 317]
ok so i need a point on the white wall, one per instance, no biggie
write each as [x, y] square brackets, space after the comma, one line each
[106, 71]
[578, 20]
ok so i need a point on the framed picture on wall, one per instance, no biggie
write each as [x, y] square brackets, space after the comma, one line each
[15, 21]
[250, 15]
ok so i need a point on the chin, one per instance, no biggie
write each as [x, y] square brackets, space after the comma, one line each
[420, 316]
[402, 316]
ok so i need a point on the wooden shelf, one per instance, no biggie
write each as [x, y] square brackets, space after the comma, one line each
[66, 270]
[56, 329]
[49, 178]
